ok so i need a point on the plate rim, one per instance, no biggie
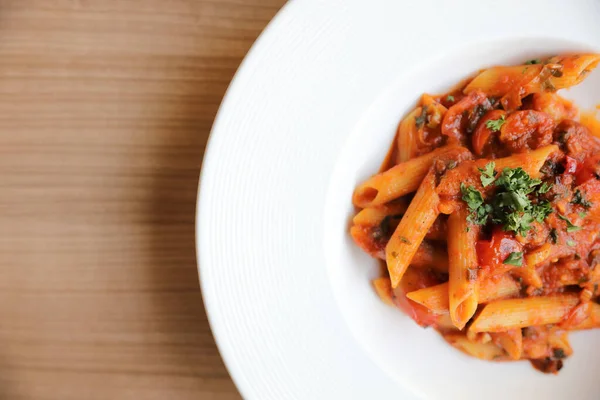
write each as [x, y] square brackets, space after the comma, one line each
[205, 169]
[207, 166]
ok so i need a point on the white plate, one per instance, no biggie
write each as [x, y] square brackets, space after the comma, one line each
[310, 113]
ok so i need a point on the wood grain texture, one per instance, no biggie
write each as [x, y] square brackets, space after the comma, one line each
[105, 109]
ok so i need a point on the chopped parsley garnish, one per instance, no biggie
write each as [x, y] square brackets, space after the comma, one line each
[474, 199]
[488, 175]
[534, 61]
[541, 210]
[544, 188]
[471, 196]
[450, 98]
[554, 236]
[579, 198]
[516, 200]
[571, 243]
[570, 226]
[516, 179]
[514, 258]
[512, 204]
[495, 124]
[404, 240]
[582, 214]
[515, 205]
[421, 119]
[519, 223]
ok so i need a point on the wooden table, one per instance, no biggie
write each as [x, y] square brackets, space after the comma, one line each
[105, 108]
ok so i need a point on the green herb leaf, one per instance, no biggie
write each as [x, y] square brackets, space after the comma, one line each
[579, 198]
[450, 98]
[570, 226]
[514, 200]
[514, 258]
[514, 179]
[474, 199]
[488, 175]
[520, 223]
[515, 205]
[495, 124]
[534, 61]
[540, 211]
[544, 188]
[421, 119]
[471, 196]
[571, 243]
[582, 214]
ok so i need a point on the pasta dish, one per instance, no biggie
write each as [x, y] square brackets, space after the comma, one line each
[486, 214]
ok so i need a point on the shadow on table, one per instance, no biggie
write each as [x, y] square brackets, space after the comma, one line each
[178, 299]
[173, 206]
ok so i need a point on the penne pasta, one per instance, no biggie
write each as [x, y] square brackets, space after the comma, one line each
[420, 215]
[496, 249]
[383, 288]
[444, 323]
[511, 341]
[498, 81]
[503, 315]
[399, 180]
[436, 298]
[531, 162]
[373, 240]
[592, 320]
[462, 268]
[408, 134]
[485, 351]
[496, 288]
[373, 216]
[539, 255]
[469, 171]
[529, 276]
[574, 69]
